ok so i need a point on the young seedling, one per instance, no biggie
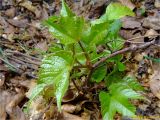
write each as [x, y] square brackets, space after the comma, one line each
[76, 54]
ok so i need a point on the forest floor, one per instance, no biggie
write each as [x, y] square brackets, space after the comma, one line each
[24, 41]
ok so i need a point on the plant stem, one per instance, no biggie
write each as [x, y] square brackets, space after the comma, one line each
[131, 48]
[86, 55]
[128, 49]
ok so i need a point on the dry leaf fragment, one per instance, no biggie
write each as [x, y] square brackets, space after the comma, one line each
[10, 12]
[22, 23]
[5, 98]
[152, 22]
[28, 5]
[130, 23]
[150, 33]
[69, 108]
[155, 80]
[2, 79]
[42, 46]
[128, 3]
[68, 116]
[157, 3]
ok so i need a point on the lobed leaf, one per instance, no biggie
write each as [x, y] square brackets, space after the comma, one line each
[65, 10]
[55, 70]
[36, 91]
[117, 100]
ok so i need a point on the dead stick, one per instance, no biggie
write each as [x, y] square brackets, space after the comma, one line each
[128, 49]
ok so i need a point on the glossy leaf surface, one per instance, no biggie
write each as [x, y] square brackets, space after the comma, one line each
[117, 101]
[55, 70]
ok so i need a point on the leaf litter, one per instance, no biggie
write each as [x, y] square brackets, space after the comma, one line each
[22, 34]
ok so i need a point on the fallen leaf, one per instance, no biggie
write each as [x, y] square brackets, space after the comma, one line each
[42, 46]
[70, 96]
[157, 3]
[152, 22]
[128, 3]
[155, 80]
[10, 12]
[28, 5]
[68, 116]
[45, 14]
[130, 23]
[22, 23]
[150, 33]
[69, 108]
[4, 100]
[2, 79]
[128, 34]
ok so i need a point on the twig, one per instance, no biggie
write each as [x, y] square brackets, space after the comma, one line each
[102, 60]
[142, 37]
[131, 48]
[8, 63]
[86, 55]
[76, 86]
[19, 53]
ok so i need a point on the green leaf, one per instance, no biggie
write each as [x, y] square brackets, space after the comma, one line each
[121, 66]
[99, 74]
[66, 29]
[117, 100]
[117, 11]
[107, 109]
[59, 33]
[131, 82]
[55, 70]
[127, 81]
[114, 11]
[95, 34]
[116, 42]
[65, 11]
[36, 91]
[102, 19]
[123, 90]
[114, 77]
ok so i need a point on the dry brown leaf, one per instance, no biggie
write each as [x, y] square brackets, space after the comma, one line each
[150, 33]
[128, 3]
[42, 46]
[3, 22]
[30, 86]
[22, 23]
[10, 29]
[5, 98]
[28, 5]
[155, 80]
[157, 3]
[10, 12]
[70, 95]
[13, 109]
[69, 108]
[2, 79]
[17, 114]
[45, 14]
[68, 116]
[152, 22]
[128, 34]
[130, 23]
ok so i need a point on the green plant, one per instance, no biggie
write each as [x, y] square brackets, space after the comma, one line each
[75, 55]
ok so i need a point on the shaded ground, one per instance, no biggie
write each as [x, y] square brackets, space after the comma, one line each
[24, 41]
